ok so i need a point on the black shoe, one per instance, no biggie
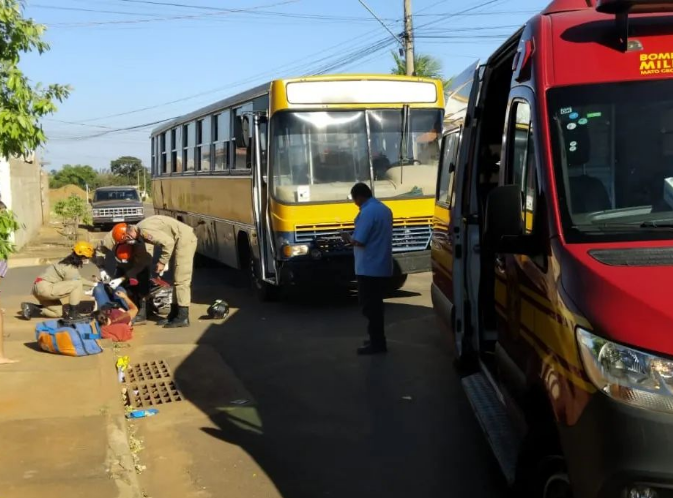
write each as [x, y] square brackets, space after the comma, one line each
[181, 320]
[29, 310]
[70, 312]
[171, 316]
[370, 349]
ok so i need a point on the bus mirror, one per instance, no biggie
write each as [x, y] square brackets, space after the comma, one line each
[262, 135]
[246, 130]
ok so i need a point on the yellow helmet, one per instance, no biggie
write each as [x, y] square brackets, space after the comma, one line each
[83, 249]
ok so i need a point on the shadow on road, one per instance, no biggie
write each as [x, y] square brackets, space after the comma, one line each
[322, 421]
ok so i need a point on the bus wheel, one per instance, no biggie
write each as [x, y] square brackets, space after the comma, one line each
[397, 282]
[263, 290]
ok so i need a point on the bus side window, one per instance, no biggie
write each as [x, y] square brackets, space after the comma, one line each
[447, 168]
[521, 169]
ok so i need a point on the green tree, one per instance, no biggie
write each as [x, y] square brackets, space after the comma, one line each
[8, 225]
[425, 66]
[22, 105]
[127, 167]
[72, 211]
[80, 175]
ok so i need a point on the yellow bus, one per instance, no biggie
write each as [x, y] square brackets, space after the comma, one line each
[264, 177]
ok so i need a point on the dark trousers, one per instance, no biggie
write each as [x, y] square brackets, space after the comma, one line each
[140, 291]
[371, 291]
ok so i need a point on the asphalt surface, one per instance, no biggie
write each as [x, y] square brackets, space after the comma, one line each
[334, 424]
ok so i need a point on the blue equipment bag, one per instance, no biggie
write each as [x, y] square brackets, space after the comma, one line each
[68, 338]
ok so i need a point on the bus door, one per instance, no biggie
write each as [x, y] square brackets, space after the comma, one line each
[463, 229]
[265, 238]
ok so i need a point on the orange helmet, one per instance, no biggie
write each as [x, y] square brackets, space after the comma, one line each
[119, 232]
[123, 253]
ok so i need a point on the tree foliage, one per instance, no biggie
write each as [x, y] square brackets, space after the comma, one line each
[8, 225]
[22, 105]
[127, 167]
[425, 66]
[83, 175]
[72, 212]
[80, 175]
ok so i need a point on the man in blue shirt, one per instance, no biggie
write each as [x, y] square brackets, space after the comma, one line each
[372, 243]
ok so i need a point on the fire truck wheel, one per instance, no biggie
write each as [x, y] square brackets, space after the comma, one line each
[542, 474]
[557, 485]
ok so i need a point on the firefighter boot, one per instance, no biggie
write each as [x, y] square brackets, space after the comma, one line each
[29, 310]
[171, 315]
[181, 320]
[141, 317]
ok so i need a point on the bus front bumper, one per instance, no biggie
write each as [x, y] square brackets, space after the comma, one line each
[614, 448]
[333, 270]
[341, 269]
[412, 262]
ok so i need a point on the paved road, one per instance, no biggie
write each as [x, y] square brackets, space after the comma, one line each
[330, 424]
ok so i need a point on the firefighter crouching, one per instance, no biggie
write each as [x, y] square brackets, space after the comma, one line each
[178, 243]
[60, 281]
[136, 265]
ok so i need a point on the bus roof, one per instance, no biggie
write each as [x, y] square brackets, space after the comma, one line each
[265, 88]
[220, 104]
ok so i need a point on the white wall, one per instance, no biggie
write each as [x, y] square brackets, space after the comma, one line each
[24, 189]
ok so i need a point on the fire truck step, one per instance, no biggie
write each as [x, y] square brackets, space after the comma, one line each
[494, 422]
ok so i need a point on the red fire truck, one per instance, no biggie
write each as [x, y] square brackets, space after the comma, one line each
[552, 248]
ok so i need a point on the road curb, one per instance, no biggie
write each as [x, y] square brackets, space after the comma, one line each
[121, 462]
[25, 262]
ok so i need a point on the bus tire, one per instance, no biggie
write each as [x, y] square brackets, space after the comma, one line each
[397, 282]
[264, 291]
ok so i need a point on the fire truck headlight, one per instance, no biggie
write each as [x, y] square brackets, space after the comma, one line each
[626, 374]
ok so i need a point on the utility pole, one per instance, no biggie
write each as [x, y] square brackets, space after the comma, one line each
[408, 39]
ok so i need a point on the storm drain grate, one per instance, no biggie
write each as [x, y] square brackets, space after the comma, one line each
[149, 384]
[147, 371]
[152, 394]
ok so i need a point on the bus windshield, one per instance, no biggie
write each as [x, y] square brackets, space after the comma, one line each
[317, 156]
[613, 154]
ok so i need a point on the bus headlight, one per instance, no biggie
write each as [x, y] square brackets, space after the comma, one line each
[626, 374]
[290, 250]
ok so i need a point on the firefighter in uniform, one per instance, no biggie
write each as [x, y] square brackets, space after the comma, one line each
[61, 281]
[178, 243]
[138, 266]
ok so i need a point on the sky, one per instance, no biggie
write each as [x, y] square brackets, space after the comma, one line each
[132, 63]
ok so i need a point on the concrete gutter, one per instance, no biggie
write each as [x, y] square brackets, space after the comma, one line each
[34, 261]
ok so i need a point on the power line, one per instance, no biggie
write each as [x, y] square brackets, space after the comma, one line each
[430, 6]
[125, 129]
[219, 12]
[81, 9]
[460, 13]
[300, 65]
[380, 21]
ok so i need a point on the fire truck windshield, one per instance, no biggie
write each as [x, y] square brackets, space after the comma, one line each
[613, 159]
